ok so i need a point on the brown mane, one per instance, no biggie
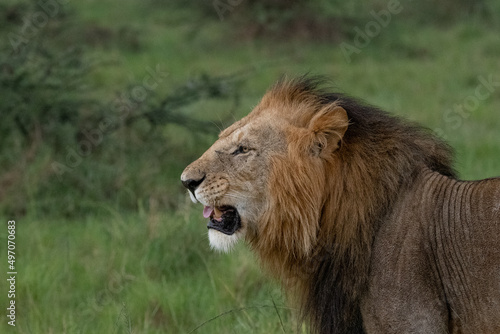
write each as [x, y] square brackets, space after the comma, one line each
[317, 238]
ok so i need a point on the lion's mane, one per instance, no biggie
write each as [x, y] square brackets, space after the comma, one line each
[318, 235]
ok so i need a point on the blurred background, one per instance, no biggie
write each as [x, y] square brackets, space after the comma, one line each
[103, 103]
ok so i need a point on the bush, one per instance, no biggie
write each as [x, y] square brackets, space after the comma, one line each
[64, 152]
[329, 19]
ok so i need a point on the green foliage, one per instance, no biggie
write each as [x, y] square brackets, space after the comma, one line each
[331, 19]
[140, 273]
[65, 149]
[195, 89]
[42, 93]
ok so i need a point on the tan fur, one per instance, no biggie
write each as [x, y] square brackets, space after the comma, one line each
[325, 183]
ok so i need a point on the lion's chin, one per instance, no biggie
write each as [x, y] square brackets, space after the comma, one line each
[222, 242]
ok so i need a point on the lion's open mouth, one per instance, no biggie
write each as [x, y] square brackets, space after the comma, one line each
[224, 219]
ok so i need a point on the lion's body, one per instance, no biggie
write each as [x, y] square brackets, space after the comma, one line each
[436, 260]
[357, 213]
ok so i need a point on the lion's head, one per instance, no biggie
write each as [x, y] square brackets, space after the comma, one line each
[269, 165]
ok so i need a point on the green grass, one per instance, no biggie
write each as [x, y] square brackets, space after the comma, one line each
[143, 273]
[152, 271]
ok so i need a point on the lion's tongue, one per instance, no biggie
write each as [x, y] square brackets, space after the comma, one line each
[207, 211]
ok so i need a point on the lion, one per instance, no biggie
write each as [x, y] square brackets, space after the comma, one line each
[358, 213]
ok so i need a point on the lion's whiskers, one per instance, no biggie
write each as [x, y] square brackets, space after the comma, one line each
[239, 196]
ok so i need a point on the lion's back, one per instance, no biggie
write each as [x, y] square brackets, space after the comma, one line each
[436, 262]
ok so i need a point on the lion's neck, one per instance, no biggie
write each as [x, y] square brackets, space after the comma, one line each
[332, 280]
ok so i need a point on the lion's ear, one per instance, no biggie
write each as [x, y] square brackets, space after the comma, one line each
[328, 127]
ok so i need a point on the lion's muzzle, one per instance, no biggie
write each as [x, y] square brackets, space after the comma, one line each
[209, 190]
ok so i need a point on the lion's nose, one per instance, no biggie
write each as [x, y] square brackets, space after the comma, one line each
[192, 184]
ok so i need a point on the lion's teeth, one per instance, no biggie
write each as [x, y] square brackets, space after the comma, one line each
[217, 213]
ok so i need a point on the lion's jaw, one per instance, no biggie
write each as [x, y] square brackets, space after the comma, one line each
[230, 180]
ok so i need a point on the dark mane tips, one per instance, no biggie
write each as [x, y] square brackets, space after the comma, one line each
[368, 123]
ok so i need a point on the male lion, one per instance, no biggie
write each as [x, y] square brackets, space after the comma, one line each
[358, 213]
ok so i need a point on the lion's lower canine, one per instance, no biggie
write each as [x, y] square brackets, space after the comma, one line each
[358, 213]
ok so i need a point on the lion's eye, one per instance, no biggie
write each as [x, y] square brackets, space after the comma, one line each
[241, 150]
